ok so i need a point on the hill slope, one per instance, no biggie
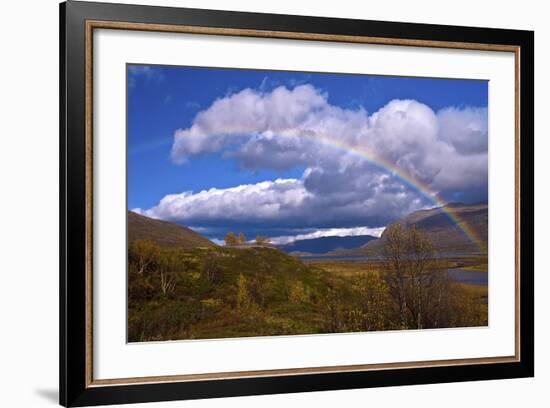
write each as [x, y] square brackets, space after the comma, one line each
[324, 245]
[221, 292]
[447, 235]
[166, 234]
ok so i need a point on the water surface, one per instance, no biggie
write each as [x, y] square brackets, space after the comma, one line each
[471, 277]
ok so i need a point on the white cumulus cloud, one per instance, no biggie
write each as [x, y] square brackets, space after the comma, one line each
[265, 200]
[299, 128]
[285, 128]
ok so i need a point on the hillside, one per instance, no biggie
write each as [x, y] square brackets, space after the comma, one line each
[224, 292]
[325, 245]
[190, 288]
[165, 234]
[447, 235]
[227, 292]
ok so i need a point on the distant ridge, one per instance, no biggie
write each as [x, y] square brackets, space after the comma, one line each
[165, 234]
[326, 245]
[444, 233]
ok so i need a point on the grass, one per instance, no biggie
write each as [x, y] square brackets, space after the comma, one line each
[345, 268]
[480, 292]
[222, 292]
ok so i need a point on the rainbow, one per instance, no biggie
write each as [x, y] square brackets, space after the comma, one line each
[421, 188]
[379, 161]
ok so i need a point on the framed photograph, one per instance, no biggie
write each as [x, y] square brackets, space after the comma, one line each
[256, 204]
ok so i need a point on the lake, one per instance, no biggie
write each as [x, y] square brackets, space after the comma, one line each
[471, 277]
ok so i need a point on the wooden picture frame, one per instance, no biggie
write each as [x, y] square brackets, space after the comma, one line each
[78, 20]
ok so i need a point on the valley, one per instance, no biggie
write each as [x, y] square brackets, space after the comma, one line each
[183, 286]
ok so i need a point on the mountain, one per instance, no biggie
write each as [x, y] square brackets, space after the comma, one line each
[326, 244]
[447, 234]
[164, 233]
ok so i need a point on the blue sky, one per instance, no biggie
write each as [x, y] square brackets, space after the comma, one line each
[163, 99]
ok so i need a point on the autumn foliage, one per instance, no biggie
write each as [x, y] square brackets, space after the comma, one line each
[256, 290]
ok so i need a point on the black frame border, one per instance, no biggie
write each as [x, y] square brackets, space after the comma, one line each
[72, 255]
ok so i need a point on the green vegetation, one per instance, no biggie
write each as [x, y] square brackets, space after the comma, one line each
[220, 292]
[235, 291]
